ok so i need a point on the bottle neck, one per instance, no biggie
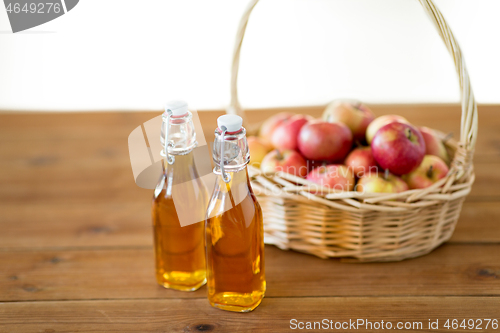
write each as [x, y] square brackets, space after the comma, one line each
[238, 179]
[182, 169]
[231, 151]
[178, 135]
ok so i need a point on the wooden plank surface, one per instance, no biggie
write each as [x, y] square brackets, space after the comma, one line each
[62, 128]
[103, 133]
[452, 269]
[273, 315]
[115, 183]
[76, 240]
[89, 151]
[114, 224]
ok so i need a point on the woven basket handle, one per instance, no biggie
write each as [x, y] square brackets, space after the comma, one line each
[468, 129]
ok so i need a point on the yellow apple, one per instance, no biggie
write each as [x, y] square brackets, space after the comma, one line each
[381, 183]
[429, 171]
[258, 150]
[380, 122]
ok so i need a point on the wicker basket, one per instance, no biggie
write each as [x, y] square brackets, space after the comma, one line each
[368, 227]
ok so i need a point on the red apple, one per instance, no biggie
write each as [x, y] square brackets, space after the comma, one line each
[381, 121]
[311, 164]
[335, 176]
[434, 145]
[271, 123]
[428, 172]
[285, 135]
[361, 161]
[398, 147]
[320, 140]
[381, 183]
[355, 115]
[288, 161]
[258, 150]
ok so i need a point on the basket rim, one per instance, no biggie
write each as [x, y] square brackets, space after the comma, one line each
[288, 186]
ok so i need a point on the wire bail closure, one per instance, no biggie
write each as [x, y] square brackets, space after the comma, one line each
[225, 177]
[168, 143]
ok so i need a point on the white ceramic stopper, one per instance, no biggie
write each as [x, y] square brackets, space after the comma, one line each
[178, 108]
[232, 122]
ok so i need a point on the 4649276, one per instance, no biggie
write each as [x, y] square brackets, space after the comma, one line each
[35, 7]
[471, 324]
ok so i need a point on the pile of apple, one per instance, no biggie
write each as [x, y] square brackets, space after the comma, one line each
[349, 149]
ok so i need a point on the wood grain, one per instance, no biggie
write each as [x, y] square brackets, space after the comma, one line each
[60, 127]
[452, 269]
[76, 244]
[105, 224]
[273, 315]
[42, 154]
[75, 168]
[115, 183]
[76, 225]
[478, 222]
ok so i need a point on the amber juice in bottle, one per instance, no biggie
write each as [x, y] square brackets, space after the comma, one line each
[179, 244]
[234, 227]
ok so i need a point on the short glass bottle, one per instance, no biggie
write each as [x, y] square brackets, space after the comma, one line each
[234, 225]
[179, 245]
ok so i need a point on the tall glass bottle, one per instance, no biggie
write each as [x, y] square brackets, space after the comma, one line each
[179, 199]
[234, 228]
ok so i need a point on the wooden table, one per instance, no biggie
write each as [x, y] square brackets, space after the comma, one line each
[76, 241]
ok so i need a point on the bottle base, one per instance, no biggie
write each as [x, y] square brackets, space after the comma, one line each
[182, 281]
[236, 302]
[168, 285]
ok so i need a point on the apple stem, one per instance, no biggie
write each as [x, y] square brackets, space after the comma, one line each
[386, 174]
[279, 155]
[448, 137]
[408, 134]
[429, 172]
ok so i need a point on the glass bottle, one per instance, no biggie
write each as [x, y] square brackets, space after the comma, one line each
[234, 226]
[180, 198]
